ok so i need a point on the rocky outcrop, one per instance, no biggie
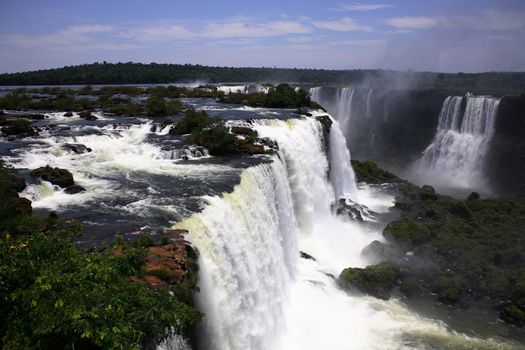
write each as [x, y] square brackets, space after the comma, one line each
[87, 115]
[353, 210]
[76, 148]
[167, 265]
[57, 176]
[377, 280]
[18, 128]
[74, 189]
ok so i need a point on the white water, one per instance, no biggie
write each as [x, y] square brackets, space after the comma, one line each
[369, 103]
[255, 290]
[114, 152]
[456, 156]
[342, 175]
[244, 89]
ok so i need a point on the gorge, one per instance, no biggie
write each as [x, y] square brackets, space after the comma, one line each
[271, 240]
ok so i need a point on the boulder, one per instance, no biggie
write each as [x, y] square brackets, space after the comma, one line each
[68, 114]
[355, 211]
[307, 256]
[18, 127]
[76, 148]
[33, 116]
[57, 176]
[74, 189]
[376, 280]
[87, 115]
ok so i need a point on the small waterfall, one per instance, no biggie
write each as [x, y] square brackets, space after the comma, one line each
[345, 97]
[342, 175]
[315, 94]
[457, 153]
[369, 103]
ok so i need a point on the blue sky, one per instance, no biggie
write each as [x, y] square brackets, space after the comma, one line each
[444, 35]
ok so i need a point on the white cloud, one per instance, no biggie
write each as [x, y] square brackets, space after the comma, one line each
[237, 28]
[252, 30]
[366, 42]
[490, 20]
[362, 7]
[345, 24]
[68, 36]
[159, 33]
[413, 22]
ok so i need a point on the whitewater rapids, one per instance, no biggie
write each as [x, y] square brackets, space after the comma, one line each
[256, 291]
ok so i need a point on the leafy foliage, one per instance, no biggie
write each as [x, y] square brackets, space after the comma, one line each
[126, 73]
[460, 249]
[54, 295]
[282, 96]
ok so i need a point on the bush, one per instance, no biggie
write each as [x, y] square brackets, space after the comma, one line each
[191, 121]
[63, 297]
[216, 139]
[407, 233]
[376, 280]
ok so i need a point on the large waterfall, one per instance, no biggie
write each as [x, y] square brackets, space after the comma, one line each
[256, 291]
[456, 155]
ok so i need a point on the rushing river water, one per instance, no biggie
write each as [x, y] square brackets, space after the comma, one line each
[249, 217]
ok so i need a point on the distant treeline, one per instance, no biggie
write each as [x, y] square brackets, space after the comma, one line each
[153, 73]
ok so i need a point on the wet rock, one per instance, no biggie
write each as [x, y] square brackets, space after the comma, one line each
[76, 148]
[326, 122]
[23, 206]
[57, 176]
[307, 256]
[353, 210]
[74, 189]
[165, 265]
[33, 116]
[68, 114]
[18, 183]
[87, 115]
[18, 128]
[377, 280]
[243, 131]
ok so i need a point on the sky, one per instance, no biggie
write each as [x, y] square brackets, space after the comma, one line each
[421, 35]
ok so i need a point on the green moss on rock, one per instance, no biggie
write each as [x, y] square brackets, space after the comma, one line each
[376, 280]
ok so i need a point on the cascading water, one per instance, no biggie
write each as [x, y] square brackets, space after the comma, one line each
[345, 97]
[342, 175]
[255, 290]
[456, 155]
[369, 103]
[248, 256]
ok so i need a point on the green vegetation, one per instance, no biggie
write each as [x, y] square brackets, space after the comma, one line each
[158, 106]
[370, 173]
[215, 136]
[377, 280]
[17, 127]
[54, 295]
[282, 96]
[462, 250]
[129, 73]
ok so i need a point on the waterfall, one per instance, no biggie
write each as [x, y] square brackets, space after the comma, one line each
[248, 252]
[342, 175]
[258, 294]
[345, 97]
[315, 94]
[457, 153]
[368, 103]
